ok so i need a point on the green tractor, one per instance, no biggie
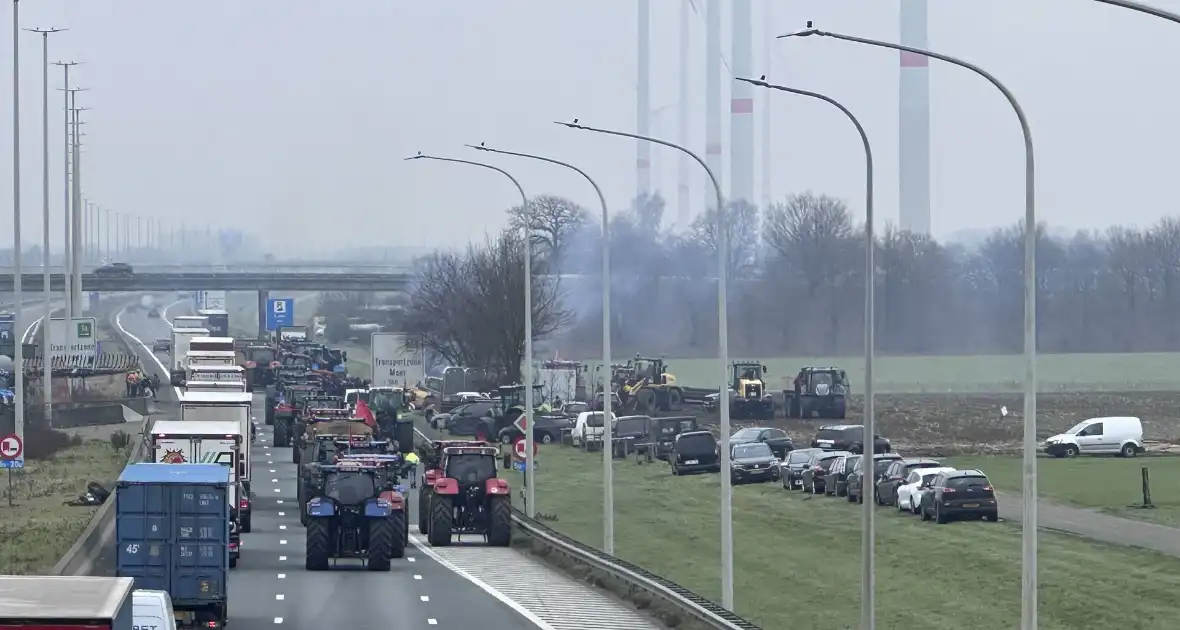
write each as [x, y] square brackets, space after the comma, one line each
[822, 391]
[509, 406]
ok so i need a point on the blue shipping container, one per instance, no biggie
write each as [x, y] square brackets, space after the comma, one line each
[172, 529]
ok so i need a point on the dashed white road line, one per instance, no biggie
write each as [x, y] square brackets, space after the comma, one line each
[279, 597]
[282, 558]
[433, 622]
[282, 576]
[417, 577]
[425, 598]
[283, 541]
[282, 513]
[282, 527]
[278, 620]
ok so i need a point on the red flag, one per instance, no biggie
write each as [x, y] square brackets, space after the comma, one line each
[363, 411]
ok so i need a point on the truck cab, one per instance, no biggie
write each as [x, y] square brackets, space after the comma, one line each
[218, 321]
[178, 360]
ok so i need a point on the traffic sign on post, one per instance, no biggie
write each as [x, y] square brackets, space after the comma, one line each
[519, 448]
[12, 451]
[521, 424]
[280, 312]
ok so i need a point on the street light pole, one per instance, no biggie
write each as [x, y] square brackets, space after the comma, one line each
[530, 409]
[66, 91]
[75, 287]
[46, 274]
[17, 290]
[608, 484]
[1142, 8]
[722, 354]
[1028, 561]
[868, 532]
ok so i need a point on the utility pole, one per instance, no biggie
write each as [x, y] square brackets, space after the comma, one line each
[46, 274]
[75, 287]
[66, 65]
[18, 363]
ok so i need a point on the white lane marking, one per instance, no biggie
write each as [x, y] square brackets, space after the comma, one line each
[282, 527]
[276, 489]
[278, 620]
[411, 559]
[272, 463]
[282, 513]
[272, 470]
[282, 542]
[282, 576]
[279, 501]
[279, 597]
[282, 558]
[417, 577]
[524, 612]
[425, 598]
[274, 480]
[432, 621]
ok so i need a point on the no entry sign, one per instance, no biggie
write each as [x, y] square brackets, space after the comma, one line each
[11, 447]
[519, 448]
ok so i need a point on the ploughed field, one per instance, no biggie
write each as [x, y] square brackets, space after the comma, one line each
[943, 424]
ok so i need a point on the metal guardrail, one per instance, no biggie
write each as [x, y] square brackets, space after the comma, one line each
[699, 608]
[144, 282]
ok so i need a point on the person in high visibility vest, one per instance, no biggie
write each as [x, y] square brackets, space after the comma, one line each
[412, 468]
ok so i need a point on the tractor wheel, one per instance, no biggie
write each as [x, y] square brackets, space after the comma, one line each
[838, 409]
[401, 534]
[303, 517]
[282, 434]
[384, 536]
[246, 523]
[317, 552]
[645, 400]
[295, 454]
[675, 399]
[441, 516]
[793, 410]
[500, 521]
[424, 509]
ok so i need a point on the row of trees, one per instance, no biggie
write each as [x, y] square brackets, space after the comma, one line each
[797, 275]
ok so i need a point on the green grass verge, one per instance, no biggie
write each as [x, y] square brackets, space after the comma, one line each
[39, 529]
[797, 560]
[1109, 484]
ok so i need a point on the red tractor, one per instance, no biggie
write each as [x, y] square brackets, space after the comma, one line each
[463, 495]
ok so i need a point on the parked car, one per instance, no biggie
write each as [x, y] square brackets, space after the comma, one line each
[665, 429]
[752, 461]
[466, 419]
[959, 494]
[546, 430]
[896, 474]
[856, 476]
[115, 269]
[154, 313]
[162, 345]
[632, 434]
[836, 476]
[779, 442]
[847, 437]
[572, 409]
[1098, 436]
[616, 403]
[694, 451]
[588, 430]
[916, 483]
[792, 468]
[817, 467]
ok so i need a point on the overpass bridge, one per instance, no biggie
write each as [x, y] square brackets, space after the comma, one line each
[242, 267]
[228, 281]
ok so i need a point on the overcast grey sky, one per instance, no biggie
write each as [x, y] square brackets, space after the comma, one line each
[293, 116]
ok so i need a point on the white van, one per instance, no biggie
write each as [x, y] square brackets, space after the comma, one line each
[588, 429]
[152, 609]
[1099, 436]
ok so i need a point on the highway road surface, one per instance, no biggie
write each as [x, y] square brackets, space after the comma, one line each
[271, 587]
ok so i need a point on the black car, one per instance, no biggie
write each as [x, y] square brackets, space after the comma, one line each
[777, 439]
[895, 475]
[154, 313]
[792, 468]
[847, 437]
[162, 345]
[695, 451]
[817, 468]
[957, 494]
[466, 419]
[546, 430]
[115, 269]
[632, 434]
[881, 463]
[836, 477]
[665, 429]
[752, 461]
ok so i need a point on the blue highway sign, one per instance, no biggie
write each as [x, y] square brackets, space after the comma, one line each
[12, 463]
[280, 312]
[520, 466]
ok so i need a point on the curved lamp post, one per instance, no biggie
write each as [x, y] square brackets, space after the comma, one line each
[608, 491]
[868, 529]
[1143, 8]
[530, 486]
[722, 354]
[1028, 563]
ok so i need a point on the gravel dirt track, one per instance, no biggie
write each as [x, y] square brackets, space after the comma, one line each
[945, 424]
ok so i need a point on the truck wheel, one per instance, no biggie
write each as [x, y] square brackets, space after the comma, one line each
[233, 563]
[282, 436]
[246, 523]
[500, 522]
[424, 509]
[382, 537]
[440, 521]
[675, 399]
[400, 534]
[316, 555]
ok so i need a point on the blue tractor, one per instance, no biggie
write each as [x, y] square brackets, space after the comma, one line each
[358, 511]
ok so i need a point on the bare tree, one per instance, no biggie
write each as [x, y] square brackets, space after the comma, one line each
[553, 221]
[741, 230]
[469, 308]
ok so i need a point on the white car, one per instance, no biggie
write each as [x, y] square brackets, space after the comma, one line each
[909, 493]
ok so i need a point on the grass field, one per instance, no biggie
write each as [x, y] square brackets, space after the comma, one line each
[796, 560]
[40, 529]
[1109, 484]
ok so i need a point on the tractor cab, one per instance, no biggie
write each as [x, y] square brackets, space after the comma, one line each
[817, 390]
[746, 377]
[468, 497]
[748, 397]
[293, 360]
[355, 512]
[653, 371]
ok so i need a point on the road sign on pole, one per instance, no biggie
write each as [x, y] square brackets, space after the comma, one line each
[520, 448]
[280, 312]
[522, 424]
[12, 451]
